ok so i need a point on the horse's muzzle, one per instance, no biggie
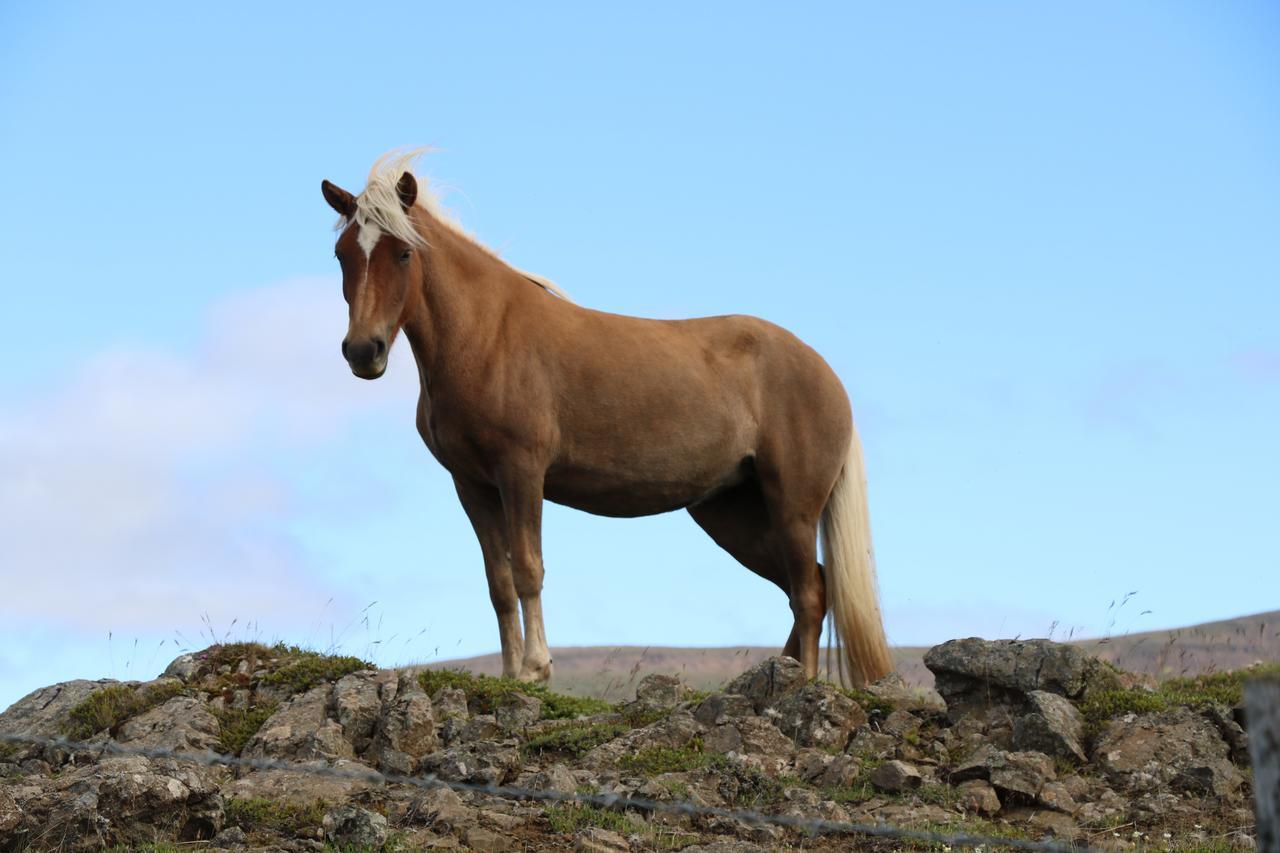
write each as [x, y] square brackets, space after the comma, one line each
[367, 357]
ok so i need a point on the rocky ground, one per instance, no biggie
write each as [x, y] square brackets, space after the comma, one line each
[1023, 739]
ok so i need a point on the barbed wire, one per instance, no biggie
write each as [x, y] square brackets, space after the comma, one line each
[813, 826]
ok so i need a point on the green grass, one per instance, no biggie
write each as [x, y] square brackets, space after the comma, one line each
[665, 759]
[573, 740]
[1226, 688]
[569, 818]
[263, 814]
[485, 693]
[109, 708]
[304, 669]
[237, 725]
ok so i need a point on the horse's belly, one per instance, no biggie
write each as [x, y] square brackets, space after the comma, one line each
[608, 493]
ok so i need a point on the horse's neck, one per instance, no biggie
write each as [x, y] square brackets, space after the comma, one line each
[462, 297]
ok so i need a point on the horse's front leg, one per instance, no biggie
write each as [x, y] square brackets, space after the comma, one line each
[484, 507]
[522, 504]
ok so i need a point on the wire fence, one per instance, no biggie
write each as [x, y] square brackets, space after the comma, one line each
[812, 826]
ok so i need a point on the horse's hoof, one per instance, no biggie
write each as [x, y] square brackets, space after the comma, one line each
[535, 673]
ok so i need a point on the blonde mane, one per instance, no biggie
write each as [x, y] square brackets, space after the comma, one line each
[379, 206]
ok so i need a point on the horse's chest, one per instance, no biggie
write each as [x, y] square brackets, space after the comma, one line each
[449, 439]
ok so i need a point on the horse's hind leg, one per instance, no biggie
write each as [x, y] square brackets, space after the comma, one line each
[738, 521]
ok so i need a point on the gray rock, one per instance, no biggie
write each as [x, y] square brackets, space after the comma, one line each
[1022, 773]
[818, 715]
[486, 840]
[355, 826]
[1056, 796]
[357, 705]
[406, 732]
[481, 761]
[10, 813]
[1052, 726]
[450, 702]
[977, 795]
[43, 712]
[900, 723]
[719, 708]
[975, 673]
[769, 680]
[597, 840]
[300, 730]
[658, 692]
[229, 839]
[182, 724]
[895, 777]
[1179, 748]
[554, 778]
[517, 711]
[872, 744]
[895, 691]
[184, 668]
[1237, 739]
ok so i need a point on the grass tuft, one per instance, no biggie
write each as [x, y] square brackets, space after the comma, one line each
[304, 669]
[1226, 688]
[573, 740]
[665, 759]
[237, 725]
[263, 814]
[109, 708]
[485, 693]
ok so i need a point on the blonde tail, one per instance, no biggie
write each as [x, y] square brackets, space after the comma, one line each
[849, 568]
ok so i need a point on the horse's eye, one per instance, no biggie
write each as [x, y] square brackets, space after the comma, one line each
[404, 256]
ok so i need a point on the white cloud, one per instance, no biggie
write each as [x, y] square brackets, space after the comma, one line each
[139, 494]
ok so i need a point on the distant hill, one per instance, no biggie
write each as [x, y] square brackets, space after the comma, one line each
[611, 672]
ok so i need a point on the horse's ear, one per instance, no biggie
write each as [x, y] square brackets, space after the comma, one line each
[407, 189]
[339, 199]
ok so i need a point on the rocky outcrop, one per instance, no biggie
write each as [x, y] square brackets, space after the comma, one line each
[1011, 745]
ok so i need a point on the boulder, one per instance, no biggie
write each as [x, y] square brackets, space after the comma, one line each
[1178, 748]
[406, 731]
[769, 680]
[1023, 773]
[895, 691]
[183, 724]
[356, 706]
[517, 711]
[977, 795]
[659, 692]
[301, 730]
[356, 827]
[976, 673]
[818, 715]
[1051, 725]
[43, 712]
[895, 777]
[484, 762]
[10, 813]
[597, 840]
[719, 708]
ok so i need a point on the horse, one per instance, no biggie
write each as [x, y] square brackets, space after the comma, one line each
[526, 396]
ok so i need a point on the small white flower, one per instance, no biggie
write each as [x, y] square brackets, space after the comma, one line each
[1168, 835]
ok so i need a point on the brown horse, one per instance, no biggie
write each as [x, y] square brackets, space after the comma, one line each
[526, 396]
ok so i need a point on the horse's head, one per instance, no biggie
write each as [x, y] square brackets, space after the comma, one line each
[379, 249]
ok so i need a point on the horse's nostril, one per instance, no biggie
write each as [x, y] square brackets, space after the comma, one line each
[344, 347]
[379, 347]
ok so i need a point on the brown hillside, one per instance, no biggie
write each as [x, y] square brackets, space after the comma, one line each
[611, 672]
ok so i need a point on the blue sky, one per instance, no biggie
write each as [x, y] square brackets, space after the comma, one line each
[1038, 244]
